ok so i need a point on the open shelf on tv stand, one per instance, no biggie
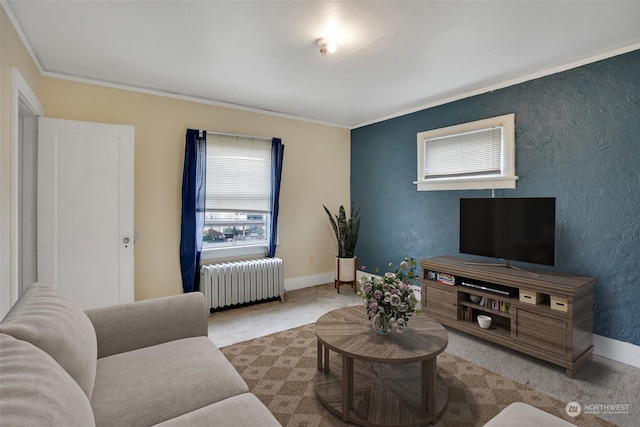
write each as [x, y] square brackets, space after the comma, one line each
[547, 315]
[497, 290]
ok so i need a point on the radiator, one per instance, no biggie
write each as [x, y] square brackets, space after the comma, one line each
[231, 283]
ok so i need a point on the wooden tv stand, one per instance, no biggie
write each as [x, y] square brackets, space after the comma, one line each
[548, 315]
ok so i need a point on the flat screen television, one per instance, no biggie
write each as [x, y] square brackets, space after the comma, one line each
[512, 229]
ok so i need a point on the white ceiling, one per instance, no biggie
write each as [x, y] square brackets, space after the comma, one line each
[392, 57]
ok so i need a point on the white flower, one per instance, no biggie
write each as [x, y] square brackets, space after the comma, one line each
[392, 294]
[395, 300]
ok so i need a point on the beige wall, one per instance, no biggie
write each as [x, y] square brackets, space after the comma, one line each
[315, 172]
[316, 169]
[12, 54]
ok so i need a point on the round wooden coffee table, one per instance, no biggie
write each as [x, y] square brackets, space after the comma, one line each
[376, 380]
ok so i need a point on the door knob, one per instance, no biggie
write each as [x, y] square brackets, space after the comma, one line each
[125, 240]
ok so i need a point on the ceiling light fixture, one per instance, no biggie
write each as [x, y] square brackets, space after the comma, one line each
[326, 45]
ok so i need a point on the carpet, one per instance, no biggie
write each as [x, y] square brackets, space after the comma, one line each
[280, 368]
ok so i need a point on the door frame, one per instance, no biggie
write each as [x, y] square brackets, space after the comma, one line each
[21, 94]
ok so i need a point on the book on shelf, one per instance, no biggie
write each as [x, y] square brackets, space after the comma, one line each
[445, 279]
[468, 313]
[498, 305]
[494, 304]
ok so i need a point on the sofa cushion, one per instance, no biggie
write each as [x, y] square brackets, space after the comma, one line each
[36, 391]
[131, 326]
[154, 384]
[244, 410]
[55, 324]
[522, 415]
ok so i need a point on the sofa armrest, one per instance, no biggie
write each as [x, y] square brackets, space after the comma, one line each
[127, 327]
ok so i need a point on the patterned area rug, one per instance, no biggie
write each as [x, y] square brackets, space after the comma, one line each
[280, 368]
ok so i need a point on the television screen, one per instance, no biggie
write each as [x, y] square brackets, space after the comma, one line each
[513, 229]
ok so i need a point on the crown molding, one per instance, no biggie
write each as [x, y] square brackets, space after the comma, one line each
[187, 98]
[23, 38]
[504, 84]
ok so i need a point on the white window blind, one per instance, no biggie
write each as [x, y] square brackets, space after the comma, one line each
[238, 174]
[464, 154]
[468, 156]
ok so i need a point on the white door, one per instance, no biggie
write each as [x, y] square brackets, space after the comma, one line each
[85, 210]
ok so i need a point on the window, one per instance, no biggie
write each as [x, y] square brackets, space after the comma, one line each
[238, 196]
[470, 156]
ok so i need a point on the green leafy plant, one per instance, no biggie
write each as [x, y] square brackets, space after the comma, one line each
[346, 230]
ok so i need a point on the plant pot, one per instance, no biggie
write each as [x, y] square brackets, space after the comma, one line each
[346, 269]
[346, 272]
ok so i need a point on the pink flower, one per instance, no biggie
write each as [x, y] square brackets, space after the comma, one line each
[377, 294]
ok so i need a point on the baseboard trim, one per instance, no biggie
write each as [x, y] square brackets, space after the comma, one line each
[314, 280]
[619, 351]
[308, 281]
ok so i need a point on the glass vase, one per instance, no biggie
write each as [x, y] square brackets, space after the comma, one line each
[382, 323]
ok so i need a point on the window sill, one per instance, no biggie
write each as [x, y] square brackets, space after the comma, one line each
[234, 251]
[484, 183]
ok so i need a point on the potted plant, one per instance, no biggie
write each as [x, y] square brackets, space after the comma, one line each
[346, 231]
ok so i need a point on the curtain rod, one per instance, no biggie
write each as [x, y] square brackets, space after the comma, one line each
[235, 135]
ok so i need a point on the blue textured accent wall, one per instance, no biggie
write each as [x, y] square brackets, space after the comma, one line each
[577, 139]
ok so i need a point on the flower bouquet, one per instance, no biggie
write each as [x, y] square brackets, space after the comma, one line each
[390, 299]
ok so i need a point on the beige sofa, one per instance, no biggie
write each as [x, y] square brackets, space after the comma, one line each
[522, 415]
[141, 364]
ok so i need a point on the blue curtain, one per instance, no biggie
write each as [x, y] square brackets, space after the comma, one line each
[277, 155]
[193, 206]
